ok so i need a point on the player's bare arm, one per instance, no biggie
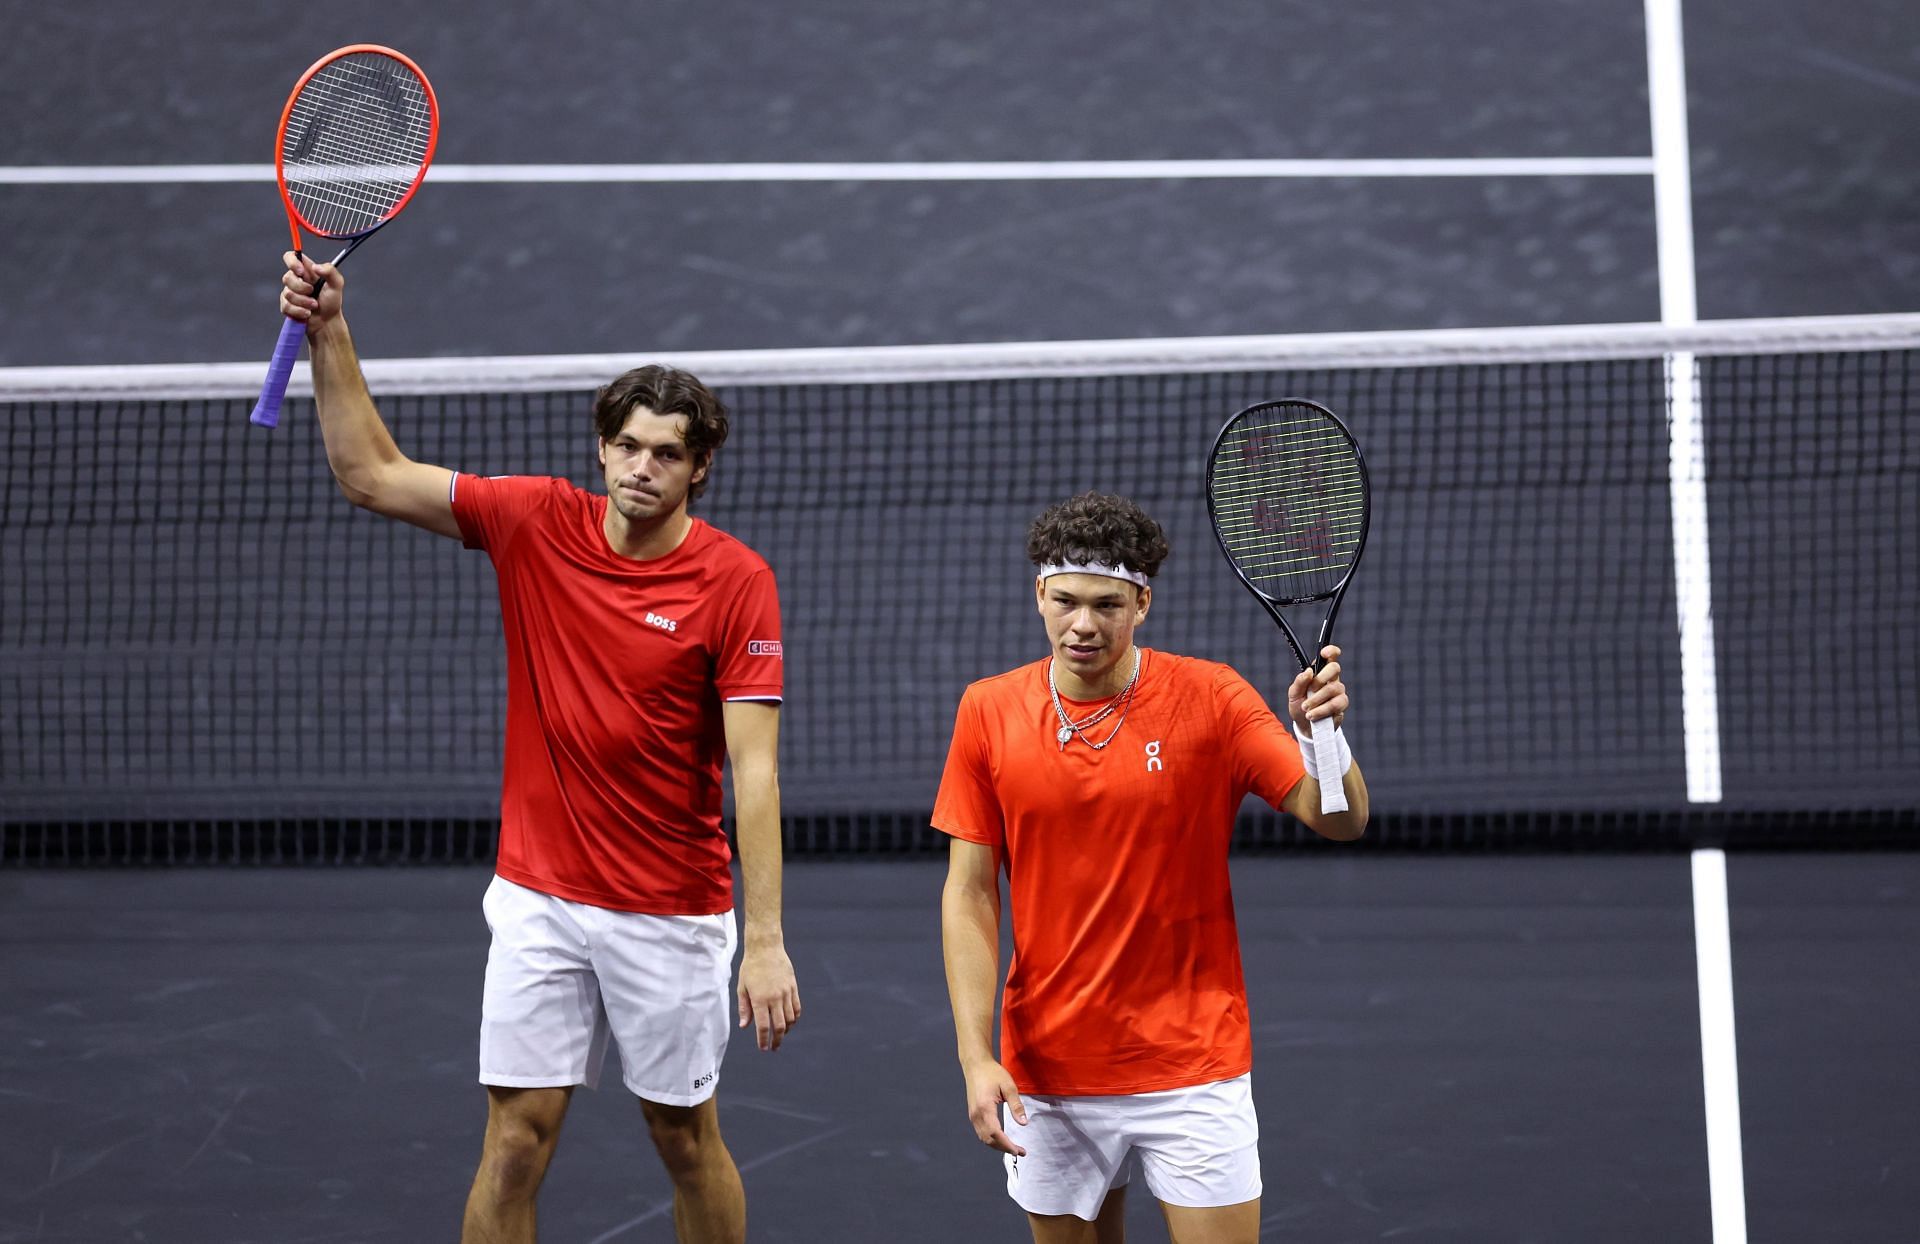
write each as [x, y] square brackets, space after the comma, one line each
[970, 938]
[769, 995]
[1323, 697]
[366, 462]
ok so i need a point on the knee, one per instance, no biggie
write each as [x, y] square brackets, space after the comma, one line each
[516, 1155]
[682, 1139]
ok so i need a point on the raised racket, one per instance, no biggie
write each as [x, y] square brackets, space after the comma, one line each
[355, 140]
[1287, 491]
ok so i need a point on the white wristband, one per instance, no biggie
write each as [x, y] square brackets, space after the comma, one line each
[1336, 738]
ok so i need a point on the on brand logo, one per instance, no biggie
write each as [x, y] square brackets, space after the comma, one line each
[1153, 756]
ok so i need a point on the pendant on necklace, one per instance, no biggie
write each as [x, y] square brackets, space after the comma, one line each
[1066, 732]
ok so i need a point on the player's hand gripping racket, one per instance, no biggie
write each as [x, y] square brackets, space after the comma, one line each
[1287, 491]
[355, 140]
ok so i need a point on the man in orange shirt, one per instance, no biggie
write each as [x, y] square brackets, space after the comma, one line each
[1105, 779]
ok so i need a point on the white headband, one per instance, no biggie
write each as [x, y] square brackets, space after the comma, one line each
[1108, 572]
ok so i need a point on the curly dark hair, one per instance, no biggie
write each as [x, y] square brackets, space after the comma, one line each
[666, 391]
[1097, 527]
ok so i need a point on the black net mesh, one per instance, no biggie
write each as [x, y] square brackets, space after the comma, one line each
[207, 654]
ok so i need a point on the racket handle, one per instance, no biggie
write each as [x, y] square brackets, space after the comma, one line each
[266, 411]
[1326, 767]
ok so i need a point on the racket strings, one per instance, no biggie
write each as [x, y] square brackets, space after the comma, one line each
[356, 137]
[1290, 503]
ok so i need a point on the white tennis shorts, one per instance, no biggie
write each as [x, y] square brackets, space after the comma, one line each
[1197, 1147]
[562, 977]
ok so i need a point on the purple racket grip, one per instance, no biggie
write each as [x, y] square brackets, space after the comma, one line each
[266, 412]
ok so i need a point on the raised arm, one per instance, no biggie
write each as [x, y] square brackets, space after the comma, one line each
[970, 938]
[1321, 697]
[769, 996]
[368, 466]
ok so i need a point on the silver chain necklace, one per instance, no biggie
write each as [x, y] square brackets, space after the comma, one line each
[1069, 727]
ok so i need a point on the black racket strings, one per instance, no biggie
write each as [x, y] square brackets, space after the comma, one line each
[1290, 503]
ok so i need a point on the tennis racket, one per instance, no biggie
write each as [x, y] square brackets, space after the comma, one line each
[355, 140]
[1287, 492]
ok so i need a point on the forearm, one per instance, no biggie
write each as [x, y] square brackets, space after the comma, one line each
[1340, 826]
[1358, 803]
[756, 801]
[358, 442]
[970, 939]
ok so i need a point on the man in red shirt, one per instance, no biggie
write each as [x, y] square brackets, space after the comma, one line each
[1105, 780]
[643, 648]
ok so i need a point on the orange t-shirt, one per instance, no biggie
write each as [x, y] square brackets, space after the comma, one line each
[1126, 962]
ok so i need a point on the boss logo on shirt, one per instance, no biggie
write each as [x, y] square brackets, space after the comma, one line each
[665, 624]
[763, 647]
[703, 1081]
[1153, 756]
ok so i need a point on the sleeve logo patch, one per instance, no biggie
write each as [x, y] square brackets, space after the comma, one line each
[763, 647]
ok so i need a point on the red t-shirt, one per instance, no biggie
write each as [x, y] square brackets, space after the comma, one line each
[1126, 962]
[616, 670]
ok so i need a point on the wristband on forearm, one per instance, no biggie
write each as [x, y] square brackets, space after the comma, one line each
[1330, 736]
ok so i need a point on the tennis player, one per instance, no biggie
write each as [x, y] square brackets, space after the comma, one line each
[1105, 779]
[643, 646]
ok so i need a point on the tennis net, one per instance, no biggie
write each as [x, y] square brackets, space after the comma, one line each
[1625, 585]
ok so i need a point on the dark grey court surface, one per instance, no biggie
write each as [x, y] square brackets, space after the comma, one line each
[1804, 146]
[1450, 1049]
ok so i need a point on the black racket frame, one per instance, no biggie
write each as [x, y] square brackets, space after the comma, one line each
[1335, 593]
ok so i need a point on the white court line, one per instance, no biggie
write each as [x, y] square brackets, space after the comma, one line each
[1686, 448]
[1692, 570]
[1002, 170]
[1693, 579]
[1719, 1057]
